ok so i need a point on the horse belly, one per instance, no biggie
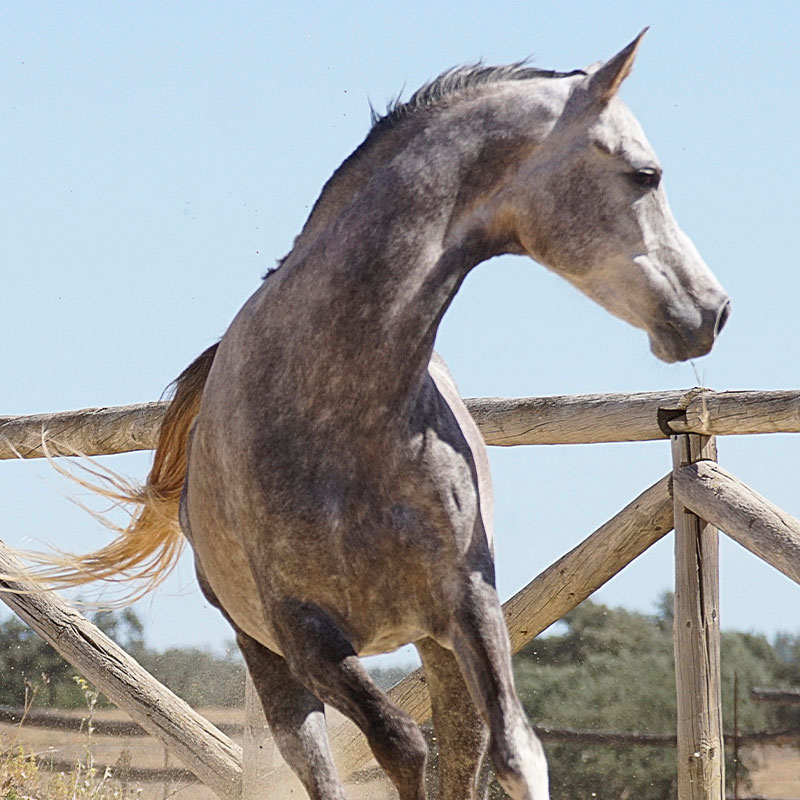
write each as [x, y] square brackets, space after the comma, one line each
[226, 568]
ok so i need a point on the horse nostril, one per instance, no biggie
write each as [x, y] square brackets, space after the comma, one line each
[722, 317]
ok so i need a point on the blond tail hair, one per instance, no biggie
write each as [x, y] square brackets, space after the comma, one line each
[147, 549]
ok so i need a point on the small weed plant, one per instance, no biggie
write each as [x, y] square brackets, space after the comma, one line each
[23, 776]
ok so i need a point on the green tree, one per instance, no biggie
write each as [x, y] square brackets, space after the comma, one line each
[124, 627]
[199, 677]
[28, 665]
[612, 669]
[787, 653]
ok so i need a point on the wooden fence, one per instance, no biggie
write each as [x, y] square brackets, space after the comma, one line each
[695, 498]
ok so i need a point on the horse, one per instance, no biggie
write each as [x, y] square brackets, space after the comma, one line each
[319, 460]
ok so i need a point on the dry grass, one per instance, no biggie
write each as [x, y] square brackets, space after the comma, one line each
[24, 774]
[98, 767]
[22, 778]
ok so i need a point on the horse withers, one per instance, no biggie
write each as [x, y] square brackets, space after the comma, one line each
[332, 484]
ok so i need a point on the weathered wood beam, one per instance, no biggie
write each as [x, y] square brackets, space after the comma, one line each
[747, 517]
[503, 421]
[572, 420]
[546, 599]
[584, 569]
[633, 417]
[739, 412]
[779, 696]
[637, 739]
[90, 431]
[208, 753]
[701, 758]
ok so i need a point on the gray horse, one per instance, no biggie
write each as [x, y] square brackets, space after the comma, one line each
[331, 482]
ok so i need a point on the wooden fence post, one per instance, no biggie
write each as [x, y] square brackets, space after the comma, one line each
[701, 757]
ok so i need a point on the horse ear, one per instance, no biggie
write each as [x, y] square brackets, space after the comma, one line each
[605, 81]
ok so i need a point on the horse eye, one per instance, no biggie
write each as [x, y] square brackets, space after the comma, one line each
[647, 177]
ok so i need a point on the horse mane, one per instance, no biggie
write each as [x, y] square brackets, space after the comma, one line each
[451, 85]
[454, 83]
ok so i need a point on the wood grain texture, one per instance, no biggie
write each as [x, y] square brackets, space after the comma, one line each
[740, 412]
[750, 519]
[585, 568]
[90, 431]
[701, 757]
[571, 420]
[208, 753]
[503, 421]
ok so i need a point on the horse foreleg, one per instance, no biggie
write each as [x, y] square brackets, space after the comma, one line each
[481, 646]
[296, 720]
[460, 732]
[322, 658]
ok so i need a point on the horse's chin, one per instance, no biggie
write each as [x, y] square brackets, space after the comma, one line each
[673, 347]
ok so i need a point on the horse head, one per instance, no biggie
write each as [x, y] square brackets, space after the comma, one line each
[589, 203]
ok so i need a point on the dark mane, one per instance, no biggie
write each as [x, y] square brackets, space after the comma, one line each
[450, 84]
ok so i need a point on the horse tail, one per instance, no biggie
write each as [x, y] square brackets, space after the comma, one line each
[148, 547]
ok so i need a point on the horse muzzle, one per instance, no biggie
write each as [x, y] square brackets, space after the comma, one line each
[676, 340]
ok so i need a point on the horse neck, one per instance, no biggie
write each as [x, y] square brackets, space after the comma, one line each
[369, 281]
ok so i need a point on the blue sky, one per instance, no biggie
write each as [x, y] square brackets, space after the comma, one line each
[159, 157]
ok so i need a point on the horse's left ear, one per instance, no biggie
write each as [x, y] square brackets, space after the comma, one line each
[605, 82]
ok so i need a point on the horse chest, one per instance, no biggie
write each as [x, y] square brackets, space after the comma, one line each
[382, 565]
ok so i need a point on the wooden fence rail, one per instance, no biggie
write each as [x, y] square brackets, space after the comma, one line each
[753, 521]
[54, 720]
[782, 696]
[696, 636]
[44, 718]
[90, 431]
[57, 720]
[127, 774]
[583, 419]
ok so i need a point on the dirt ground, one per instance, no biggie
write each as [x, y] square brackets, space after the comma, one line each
[146, 752]
[775, 771]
